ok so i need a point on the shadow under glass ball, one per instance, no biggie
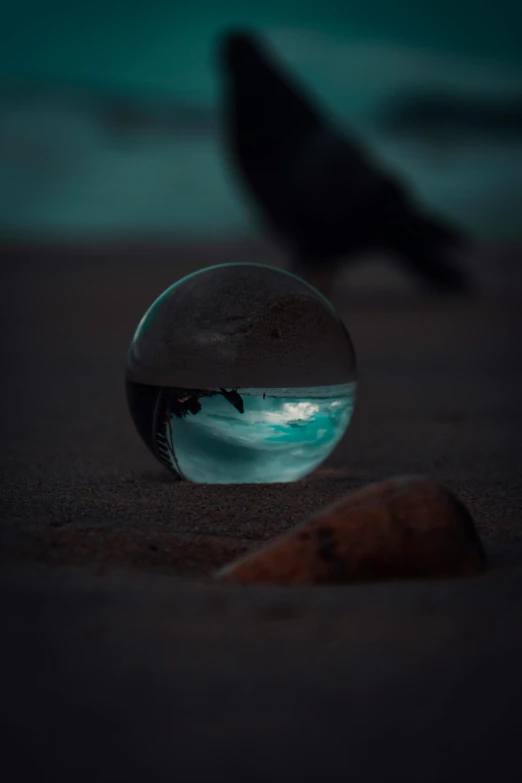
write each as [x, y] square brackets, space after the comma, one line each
[241, 373]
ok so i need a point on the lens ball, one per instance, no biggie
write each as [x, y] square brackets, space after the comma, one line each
[241, 373]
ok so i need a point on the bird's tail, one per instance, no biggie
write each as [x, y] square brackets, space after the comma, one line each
[426, 245]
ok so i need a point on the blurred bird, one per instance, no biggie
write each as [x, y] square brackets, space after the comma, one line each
[315, 187]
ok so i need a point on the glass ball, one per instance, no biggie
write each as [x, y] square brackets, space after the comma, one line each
[241, 373]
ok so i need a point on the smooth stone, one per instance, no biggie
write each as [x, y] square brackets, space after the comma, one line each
[404, 528]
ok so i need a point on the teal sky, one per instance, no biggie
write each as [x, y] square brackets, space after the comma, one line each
[167, 44]
[355, 55]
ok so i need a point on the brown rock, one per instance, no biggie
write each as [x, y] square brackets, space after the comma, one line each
[404, 528]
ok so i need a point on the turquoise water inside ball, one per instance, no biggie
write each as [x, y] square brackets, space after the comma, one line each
[279, 435]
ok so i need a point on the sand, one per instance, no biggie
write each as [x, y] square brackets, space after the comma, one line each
[126, 662]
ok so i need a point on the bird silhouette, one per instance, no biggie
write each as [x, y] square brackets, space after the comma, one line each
[316, 187]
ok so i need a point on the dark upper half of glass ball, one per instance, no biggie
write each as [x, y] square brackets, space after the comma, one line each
[241, 325]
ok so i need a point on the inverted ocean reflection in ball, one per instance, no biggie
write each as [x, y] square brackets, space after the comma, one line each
[241, 373]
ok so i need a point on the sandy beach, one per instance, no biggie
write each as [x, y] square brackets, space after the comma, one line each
[125, 662]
